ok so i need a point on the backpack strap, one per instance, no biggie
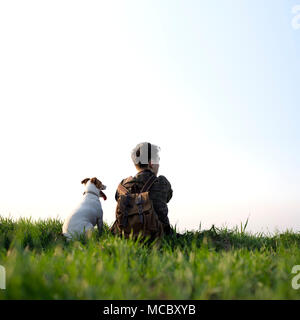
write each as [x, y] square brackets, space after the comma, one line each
[148, 184]
[122, 190]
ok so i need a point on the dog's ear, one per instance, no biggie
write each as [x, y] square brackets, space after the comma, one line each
[84, 181]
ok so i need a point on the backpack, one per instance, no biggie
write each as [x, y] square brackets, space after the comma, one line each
[135, 213]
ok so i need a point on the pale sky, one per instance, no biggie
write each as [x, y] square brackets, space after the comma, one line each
[214, 83]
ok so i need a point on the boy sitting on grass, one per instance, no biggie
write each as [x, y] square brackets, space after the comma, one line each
[146, 160]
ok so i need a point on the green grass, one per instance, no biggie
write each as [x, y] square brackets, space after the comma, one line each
[213, 264]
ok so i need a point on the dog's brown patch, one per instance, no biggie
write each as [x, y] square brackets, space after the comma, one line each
[84, 181]
[97, 183]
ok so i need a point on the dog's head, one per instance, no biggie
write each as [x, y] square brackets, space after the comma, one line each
[98, 184]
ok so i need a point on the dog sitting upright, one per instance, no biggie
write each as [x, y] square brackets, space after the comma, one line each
[88, 213]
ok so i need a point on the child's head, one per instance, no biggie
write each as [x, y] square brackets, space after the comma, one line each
[146, 156]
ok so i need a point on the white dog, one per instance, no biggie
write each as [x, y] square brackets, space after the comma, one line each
[88, 213]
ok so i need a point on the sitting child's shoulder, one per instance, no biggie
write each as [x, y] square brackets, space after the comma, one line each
[163, 180]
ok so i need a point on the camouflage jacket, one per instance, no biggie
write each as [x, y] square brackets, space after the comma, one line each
[160, 193]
